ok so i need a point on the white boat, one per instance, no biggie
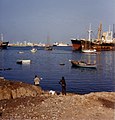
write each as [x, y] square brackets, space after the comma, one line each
[60, 44]
[20, 52]
[23, 61]
[89, 50]
[82, 64]
[33, 50]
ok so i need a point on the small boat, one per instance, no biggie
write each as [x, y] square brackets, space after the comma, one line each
[62, 63]
[33, 50]
[89, 50]
[87, 47]
[3, 44]
[82, 64]
[60, 44]
[48, 48]
[23, 61]
[20, 52]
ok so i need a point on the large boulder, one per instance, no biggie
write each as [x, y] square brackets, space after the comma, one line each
[13, 89]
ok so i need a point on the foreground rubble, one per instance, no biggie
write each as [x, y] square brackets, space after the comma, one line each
[44, 106]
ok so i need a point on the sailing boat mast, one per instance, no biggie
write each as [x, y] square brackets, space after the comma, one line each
[1, 39]
[88, 46]
[89, 31]
[99, 32]
[48, 40]
[113, 30]
[48, 46]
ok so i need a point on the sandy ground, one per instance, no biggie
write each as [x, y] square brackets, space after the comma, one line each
[45, 106]
[93, 106]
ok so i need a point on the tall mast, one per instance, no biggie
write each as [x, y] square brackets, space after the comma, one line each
[89, 31]
[109, 28]
[1, 37]
[99, 32]
[113, 30]
[48, 39]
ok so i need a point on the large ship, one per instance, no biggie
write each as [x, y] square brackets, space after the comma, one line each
[104, 41]
[77, 44]
[3, 44]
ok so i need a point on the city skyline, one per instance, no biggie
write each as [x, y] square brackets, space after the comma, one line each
[61, 20]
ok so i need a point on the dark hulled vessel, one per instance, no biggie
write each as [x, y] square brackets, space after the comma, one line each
[3, 44]
[105, 41]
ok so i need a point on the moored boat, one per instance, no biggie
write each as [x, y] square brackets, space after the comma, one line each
[83, 64]
[23, 61]
[48, 48]
[3, 45]
[77, 44]
[89, 50]
[105, 41]
[60, 44]
[33, 50]
[87, 47]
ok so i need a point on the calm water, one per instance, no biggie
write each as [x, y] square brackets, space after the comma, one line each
[46, 64]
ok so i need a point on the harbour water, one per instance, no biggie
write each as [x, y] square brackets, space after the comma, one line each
[47, 64]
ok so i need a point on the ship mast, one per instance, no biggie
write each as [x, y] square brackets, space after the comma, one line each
[113, 30]
[1, 39]
[89, 31]
[99, 32]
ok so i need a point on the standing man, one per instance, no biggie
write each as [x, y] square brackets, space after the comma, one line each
[63, 84]
[36, 80]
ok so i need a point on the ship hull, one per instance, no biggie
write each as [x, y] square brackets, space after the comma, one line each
[77, 45]
[4, 45]
[104, 46]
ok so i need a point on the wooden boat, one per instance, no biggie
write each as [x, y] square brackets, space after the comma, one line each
[23, 61]
[82, 64]
[87, 61]
[33, 50]
[48, 48]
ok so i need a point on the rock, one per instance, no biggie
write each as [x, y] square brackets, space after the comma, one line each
[13, 89]
[93, 106]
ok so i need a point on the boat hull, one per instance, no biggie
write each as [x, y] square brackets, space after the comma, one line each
[82, 64]
[23, 61]
[3, 45]
[77, 45]
[104, 46]
[33, 50]
[49, 48]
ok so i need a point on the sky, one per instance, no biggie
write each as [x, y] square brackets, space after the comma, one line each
[61, 20]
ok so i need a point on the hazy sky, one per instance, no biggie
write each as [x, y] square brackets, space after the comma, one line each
[34, 20]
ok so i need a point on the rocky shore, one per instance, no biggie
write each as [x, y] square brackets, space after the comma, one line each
[21, 101]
